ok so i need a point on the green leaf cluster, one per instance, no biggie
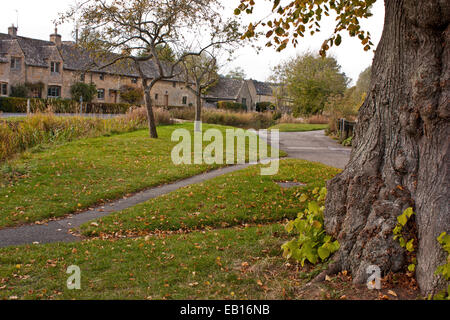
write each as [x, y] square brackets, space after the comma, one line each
[408, 244]
[444, 270]
[293, 20]
[86, 90]
[312, 242]
[402, 220]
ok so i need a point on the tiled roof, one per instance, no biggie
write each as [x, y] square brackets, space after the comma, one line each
[263, 88]
[37, 51]
[226, 88]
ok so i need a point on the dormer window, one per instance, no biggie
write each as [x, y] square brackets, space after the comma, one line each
[54, 67]
[16, 63]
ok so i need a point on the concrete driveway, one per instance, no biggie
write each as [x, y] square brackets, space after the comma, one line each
[314, 146]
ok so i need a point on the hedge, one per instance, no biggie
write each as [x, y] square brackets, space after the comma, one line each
[19, 105]
[229, 105]
[265, 106]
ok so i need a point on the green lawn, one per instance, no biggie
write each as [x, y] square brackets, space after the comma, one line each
[54, 181]
[239, 260]
[299, 127]
[235, 263]
[236, 198]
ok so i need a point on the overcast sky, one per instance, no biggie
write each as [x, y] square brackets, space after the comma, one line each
[35, 21]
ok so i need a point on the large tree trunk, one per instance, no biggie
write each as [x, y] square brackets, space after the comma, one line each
[400, 156]
[150, 114]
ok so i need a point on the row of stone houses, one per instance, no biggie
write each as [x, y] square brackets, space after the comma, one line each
[51, 67]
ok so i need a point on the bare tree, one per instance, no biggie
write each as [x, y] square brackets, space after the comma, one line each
[202, 72]
[131, 31]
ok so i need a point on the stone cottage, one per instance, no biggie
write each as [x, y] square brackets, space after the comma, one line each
[51, 67]
[228, 89]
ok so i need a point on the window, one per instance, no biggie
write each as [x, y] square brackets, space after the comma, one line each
[101, 94]
[3, 89]
[102, 77]
[134, 80]
[156, 96]
[184, 100]
[82, 77]
[244, 102]
[54, 92]
[16, 63]
[54, 67]
[174, 84]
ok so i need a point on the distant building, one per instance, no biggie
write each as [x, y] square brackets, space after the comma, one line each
[51, 67]
[262, 91]
[228, 89]
[56, 65]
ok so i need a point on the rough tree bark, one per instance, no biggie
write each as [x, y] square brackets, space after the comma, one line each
[198, 112]
[400, 156]
[150, 114]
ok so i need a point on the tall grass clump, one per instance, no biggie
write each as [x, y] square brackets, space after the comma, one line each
[39, 129]
[318, 119]
[254, 120]
[139, 116]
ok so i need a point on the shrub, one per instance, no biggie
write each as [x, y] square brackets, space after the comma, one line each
[19, 91]
[131, 95]
[265, 106]
[348, 142]
[444, 270]
[230, 105]
[277, 116]
[81, 89]
[19, 105]
[109, 108]
[339, 107]
[312, 242]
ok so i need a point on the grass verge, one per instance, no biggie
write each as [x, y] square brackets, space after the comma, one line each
[49, 182]
[235, 263]
[237, 198]
[299, 127]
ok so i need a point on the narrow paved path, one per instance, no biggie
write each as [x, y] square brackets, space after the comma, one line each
[314, 146]
[311, 146]
[58, 230]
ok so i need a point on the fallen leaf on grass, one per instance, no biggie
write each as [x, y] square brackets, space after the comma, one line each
[392, 293]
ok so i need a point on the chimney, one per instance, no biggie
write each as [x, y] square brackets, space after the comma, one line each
[12, 31]
[56, 38]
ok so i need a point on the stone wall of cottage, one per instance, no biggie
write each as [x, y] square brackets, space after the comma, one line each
[13, 77]
[164, 93]
[245, 93]
[271, 99]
